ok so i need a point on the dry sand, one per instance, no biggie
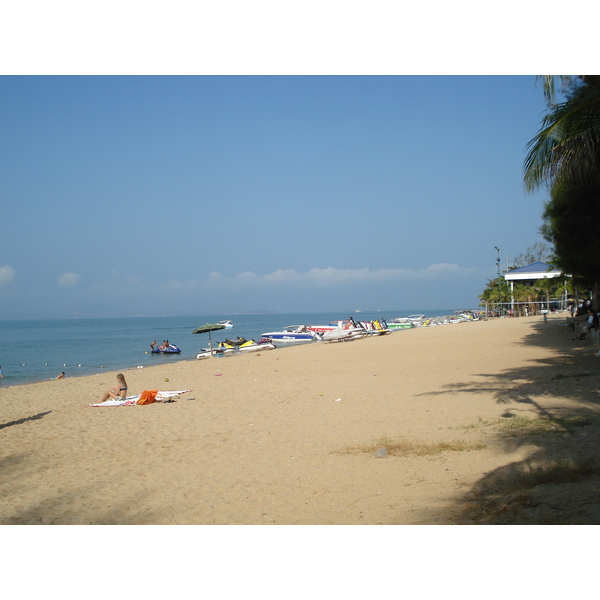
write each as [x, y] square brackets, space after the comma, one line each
[487, 422]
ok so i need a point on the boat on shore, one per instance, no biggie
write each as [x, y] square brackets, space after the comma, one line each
[376, 327]
[221, 350]
[400, 323]
[252, 346]
[343, 324]
[417, 320]
[338, 335]
[224, 349]
[291, 333]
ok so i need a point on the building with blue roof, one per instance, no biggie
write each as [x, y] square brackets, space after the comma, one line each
[529, 274]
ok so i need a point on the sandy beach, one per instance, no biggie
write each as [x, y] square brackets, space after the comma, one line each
[475, 423]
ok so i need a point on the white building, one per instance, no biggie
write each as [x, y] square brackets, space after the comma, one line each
[528, 274]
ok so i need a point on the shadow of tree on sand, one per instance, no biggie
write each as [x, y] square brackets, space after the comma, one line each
[25, 419]
[554, 409]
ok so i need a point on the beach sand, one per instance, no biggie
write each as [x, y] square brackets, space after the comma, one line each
[486, 422]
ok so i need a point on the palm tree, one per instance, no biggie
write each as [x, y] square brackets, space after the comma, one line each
[565, 155]
[522, 294]
[546, 287]
[567, 287]
[491, 294]
[568, 144]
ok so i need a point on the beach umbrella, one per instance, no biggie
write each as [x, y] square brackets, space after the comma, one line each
[207, 329]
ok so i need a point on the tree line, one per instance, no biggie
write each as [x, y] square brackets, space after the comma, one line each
[564, 156]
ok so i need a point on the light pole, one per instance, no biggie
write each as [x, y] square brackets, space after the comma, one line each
[499, 280]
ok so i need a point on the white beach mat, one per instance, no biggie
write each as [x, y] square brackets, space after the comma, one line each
[132, 400]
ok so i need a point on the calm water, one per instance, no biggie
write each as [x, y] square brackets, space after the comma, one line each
[36, 350]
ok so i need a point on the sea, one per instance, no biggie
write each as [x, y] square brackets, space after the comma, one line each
[37, 350]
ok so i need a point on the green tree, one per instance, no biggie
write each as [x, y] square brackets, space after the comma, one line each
[522, 294]
[546, 288]
[491, 294]
[565, 155]
[570, 221]
[567, 146]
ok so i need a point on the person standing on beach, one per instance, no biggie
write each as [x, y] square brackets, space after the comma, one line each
[117, 392]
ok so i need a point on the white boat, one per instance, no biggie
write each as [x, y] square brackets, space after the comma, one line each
[416, 320]
[291, 333]
[330, 326]
[221, 350]
[338, 335]
[400, 323]
[226, 324]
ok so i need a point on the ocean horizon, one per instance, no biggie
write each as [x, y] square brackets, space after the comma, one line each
[35, 350]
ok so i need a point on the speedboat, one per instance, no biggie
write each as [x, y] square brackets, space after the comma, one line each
[330, 326]
[400, 323]
[292, 333]
[416, 320]
[252, 346]
[170, 349]
[357, 329]
[226, 324]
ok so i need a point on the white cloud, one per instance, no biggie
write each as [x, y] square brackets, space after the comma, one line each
[69, 279]
[7, 275]
[319, 278]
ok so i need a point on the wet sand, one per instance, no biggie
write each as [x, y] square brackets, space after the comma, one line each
[291, 436]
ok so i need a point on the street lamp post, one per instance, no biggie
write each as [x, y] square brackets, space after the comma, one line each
[499, 280]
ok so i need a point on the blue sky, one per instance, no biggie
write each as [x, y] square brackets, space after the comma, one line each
[169, 195]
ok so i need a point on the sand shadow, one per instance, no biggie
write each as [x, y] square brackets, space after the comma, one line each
[25, 419]
[558, 483]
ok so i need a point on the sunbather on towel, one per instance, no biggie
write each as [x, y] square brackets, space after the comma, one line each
[117, 392]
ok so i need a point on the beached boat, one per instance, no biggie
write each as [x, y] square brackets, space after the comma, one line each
[417, 320]
[252, 346]
[292, 333]
[344, 324]
[170, 349]
[224, 349]
[400, 323]
[376, 327]
[338, 335]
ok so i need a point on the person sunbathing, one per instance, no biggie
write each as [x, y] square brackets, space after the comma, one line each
[117, 392]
